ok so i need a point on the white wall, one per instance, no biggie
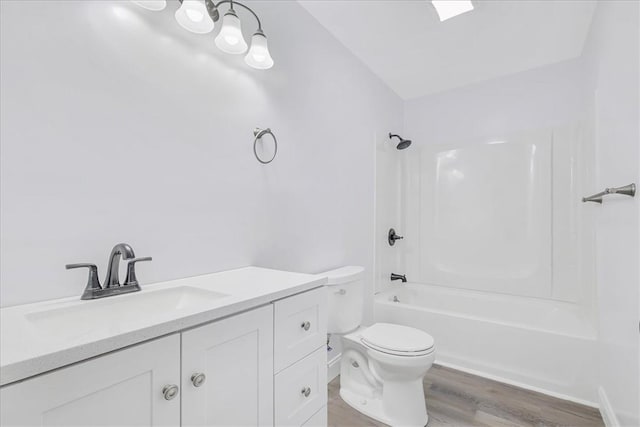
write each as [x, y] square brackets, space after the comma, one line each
[118, 125]
[540, 98]
[613, 51]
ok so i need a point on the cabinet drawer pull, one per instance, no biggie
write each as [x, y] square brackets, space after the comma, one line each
[306, 391]
[305, 326]
[198, 379]
[170, 391]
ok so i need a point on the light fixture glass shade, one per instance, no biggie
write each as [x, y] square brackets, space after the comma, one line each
[193, 16]
[154, 5]
[449, 8]
[230, 39]
[259, 56]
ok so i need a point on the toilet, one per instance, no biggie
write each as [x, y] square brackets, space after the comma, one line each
[382, 365]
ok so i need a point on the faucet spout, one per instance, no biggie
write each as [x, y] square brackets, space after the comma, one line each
[402, 277]
[121, 250]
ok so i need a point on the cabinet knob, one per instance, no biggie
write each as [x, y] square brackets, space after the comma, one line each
[198, 379]
[305, 326]
[306, 391]
[170, 391]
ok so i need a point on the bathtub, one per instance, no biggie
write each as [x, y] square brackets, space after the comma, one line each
[543, 345]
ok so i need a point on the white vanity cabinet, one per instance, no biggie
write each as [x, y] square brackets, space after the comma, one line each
[227, 371]
[123, 388]
[222, 373]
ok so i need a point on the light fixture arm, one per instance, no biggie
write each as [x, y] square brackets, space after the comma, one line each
[231, 4]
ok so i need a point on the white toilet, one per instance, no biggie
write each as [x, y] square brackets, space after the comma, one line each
[382, 366]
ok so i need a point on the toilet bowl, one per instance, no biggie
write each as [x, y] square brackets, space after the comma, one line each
[384, 381]
[382, 366]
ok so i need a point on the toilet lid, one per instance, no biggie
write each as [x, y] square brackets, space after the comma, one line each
[397, 339]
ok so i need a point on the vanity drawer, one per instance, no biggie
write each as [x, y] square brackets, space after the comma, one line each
[300, 326]
[301, 390]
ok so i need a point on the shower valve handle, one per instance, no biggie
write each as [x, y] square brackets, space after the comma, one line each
[392, 237]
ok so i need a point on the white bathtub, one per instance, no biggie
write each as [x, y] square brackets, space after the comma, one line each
[544, 345]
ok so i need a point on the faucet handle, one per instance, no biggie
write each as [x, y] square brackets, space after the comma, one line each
[131, 278]
[93, 283]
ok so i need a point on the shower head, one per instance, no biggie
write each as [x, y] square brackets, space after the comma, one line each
[404, 143]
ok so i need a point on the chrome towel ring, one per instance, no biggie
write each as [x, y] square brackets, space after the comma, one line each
[259, 133]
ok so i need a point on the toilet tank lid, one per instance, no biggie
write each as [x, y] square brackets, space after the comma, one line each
[347, 274]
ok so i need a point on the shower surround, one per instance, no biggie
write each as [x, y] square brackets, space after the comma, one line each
[498, 249]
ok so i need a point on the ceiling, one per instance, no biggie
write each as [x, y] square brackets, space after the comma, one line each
[407, 46]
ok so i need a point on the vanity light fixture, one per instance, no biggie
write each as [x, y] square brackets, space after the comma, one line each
[193, 16]
[449, 8]
[199, 16]
[258, 56]
[230, 39]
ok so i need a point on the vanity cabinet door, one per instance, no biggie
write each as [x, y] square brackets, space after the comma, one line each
[227, 371]
[123, 388]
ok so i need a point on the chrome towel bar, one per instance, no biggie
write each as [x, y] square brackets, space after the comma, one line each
[627, 190]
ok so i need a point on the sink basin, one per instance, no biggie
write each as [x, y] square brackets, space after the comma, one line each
[132, 311]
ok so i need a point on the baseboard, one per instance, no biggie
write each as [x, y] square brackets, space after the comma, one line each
[333, 368]
[608, 416]
[521, 385]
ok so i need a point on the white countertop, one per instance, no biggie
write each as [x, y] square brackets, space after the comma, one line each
[28, 349]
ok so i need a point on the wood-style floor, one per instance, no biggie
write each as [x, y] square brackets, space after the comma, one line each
[455, 398]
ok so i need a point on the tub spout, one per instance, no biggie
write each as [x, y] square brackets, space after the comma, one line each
[402, 277]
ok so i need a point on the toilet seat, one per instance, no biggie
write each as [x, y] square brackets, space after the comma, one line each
[397, 340]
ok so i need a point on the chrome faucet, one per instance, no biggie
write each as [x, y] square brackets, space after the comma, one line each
[121, 250]
[112, 285]
[402, 277]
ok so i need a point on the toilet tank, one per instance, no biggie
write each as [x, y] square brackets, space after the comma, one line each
[346, 298]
